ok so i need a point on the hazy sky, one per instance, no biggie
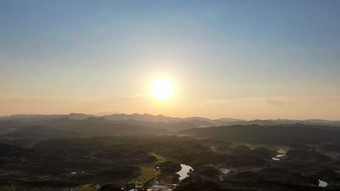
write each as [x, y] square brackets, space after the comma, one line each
[241, 59]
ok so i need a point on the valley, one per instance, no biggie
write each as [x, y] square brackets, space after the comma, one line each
[96, 153]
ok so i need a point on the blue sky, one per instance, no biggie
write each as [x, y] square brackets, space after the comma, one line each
[224, 57]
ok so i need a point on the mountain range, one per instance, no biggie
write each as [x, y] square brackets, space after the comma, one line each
[161, 120]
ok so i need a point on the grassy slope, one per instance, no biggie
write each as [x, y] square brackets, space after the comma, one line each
[147, 173]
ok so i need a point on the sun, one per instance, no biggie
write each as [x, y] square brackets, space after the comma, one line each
[162, 89]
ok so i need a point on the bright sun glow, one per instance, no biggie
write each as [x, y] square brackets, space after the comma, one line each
[162, 89]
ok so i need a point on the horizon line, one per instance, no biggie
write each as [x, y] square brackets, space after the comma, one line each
[96, 115]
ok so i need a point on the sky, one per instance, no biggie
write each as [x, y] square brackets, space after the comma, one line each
[240, 59]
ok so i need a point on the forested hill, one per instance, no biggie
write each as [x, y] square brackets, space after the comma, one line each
[279, 134]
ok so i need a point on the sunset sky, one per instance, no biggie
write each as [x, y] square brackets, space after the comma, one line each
[237, 59]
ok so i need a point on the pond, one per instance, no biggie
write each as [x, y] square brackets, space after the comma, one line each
[281, 154]
[183, 173]
[322, 183]
[224, 171]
